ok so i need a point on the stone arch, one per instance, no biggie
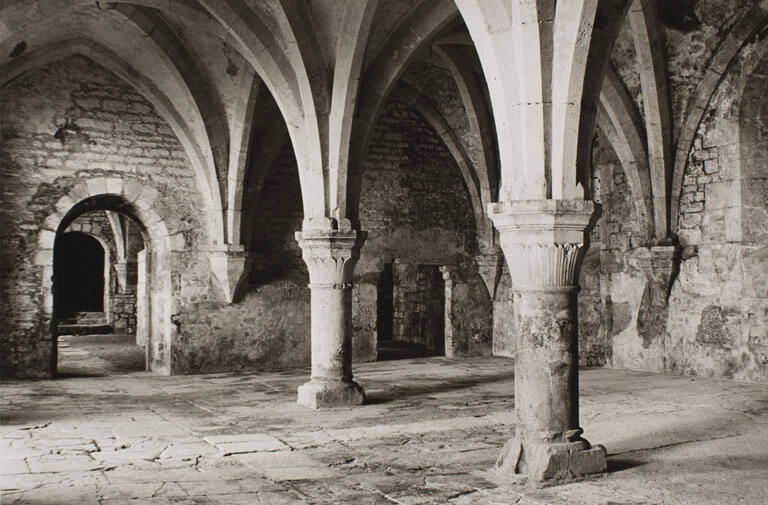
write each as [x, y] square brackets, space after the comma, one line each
[479, 116]
[749, 25]
[245, 31]
[753, 145]
[648, 43]
[141, 201]
[413, 98]
[378, 80]
[622, 126]
[162, 103]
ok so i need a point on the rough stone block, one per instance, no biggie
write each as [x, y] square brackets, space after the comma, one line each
[46, 239]
[64, 204]
[114, 185]
[52, 222]
[543, 463]
[96, 186]
[132, 190]
[44, 257]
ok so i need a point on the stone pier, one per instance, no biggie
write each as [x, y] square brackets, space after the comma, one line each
[330, 257]
[543, 241]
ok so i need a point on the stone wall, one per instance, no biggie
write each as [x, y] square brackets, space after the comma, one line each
[469, 321]
[623, 308]
[419, 306]
[700, 308]
[118, 135]
[415, 209]
[268, 327]
[718, 306]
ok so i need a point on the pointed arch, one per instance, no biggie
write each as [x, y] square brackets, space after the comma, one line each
[622, 125]
[414, 99]
[380, 76]
[647, 36]
[245, 31]
[206, 100]
[749, 25]
[478, 116]
[350, 52]
[164, 106]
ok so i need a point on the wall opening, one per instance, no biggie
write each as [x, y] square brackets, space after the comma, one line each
[80, 270]
[107, 297]
[418, 312]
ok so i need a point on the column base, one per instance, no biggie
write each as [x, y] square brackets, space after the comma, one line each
[317, 394]
[551, 460]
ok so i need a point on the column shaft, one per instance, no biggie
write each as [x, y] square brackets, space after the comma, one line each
[546, 355]
[331, 335]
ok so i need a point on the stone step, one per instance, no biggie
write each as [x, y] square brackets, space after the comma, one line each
[398, 349]
[84, 318]
[84, 329]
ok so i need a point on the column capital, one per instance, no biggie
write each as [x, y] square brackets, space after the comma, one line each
[330, 256]
[542, 221]
[543, 240]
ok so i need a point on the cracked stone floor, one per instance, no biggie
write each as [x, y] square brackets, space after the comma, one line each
[429, 435]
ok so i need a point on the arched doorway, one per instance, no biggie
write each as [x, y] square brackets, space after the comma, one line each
[151, 273]
[96, 298]
[80, 270]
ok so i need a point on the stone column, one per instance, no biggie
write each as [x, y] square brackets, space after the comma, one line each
[543, 241]
[448, 276]
[330, 257]
[121, 269]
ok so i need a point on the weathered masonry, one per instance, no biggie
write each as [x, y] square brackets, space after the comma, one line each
[285, 183]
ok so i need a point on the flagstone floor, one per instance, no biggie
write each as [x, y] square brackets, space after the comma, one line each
[429, 434]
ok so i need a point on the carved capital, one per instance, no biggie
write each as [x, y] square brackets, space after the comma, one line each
[543, 240]
[331, 256]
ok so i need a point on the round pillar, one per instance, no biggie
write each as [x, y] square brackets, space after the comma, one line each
[331, 257]
[543, 241]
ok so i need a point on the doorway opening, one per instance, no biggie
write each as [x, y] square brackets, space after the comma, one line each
[100, 278]
[412, 297]
[81, 274]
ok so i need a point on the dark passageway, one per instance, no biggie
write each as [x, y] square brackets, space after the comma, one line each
[80, 273]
